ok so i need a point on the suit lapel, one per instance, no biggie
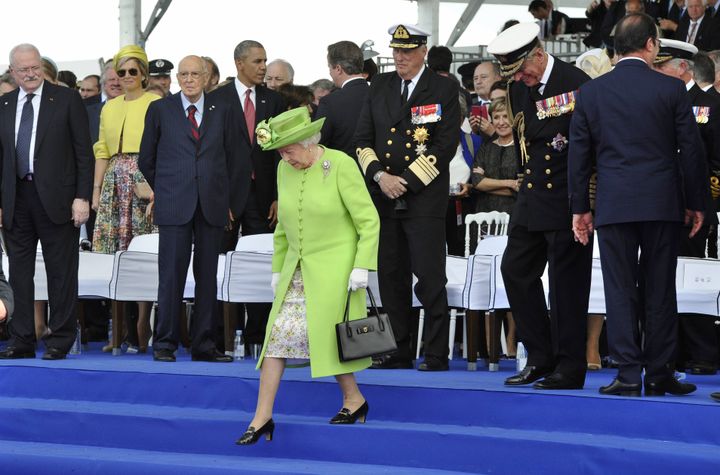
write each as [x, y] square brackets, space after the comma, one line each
[177, 104]
[8, 108]
[207, 116]
[47, 110]
[420, 88]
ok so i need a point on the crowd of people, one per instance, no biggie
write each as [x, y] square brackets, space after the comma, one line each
[626, 143]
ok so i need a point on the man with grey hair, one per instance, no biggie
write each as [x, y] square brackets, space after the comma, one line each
[279, 72]
[47, 172]
[699, 342]
[253, 204]
[715, 56]
[342, 108]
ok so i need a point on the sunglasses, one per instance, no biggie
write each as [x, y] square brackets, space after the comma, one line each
[132, 72]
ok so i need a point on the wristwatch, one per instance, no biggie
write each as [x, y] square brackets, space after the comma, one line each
[377, 176]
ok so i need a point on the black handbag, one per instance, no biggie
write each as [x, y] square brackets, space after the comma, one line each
[371, 336]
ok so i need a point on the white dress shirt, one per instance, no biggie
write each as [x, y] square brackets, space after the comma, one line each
[199, 105]
[241, 88]
[413, 82]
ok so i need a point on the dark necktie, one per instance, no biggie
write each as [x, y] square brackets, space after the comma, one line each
[406, 87]
[24, 135]
[249, 111]
[193, 122]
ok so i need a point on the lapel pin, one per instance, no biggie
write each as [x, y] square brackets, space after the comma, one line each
[262, 101]
[211, 108]
[51, 99]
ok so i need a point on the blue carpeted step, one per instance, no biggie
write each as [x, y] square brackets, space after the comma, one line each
[437, 446]
[669, 418]
[33, 458]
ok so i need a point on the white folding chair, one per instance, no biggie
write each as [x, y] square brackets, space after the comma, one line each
[495, 224]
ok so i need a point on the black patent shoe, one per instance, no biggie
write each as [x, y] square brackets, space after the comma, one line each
[345, 417]
[670, 386]
[252, 435]
[618, 388]
[528, 375]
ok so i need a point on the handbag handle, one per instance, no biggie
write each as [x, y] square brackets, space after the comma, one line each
[381, 325]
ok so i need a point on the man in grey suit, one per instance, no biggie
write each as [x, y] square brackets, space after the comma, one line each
[187, 155]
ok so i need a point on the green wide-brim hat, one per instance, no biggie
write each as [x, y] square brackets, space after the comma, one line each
[287, 128]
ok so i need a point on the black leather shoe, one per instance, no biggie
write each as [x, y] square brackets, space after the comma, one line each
[213, 356]
[433, 364]
[618, 388]
[560, 381]
[346, 417]
[167, 356]
[528, 375]
[252, 435]
[715, 396]
[701, 368]
[54, 354]
[391, 362]
[12, 353]
[671, 386]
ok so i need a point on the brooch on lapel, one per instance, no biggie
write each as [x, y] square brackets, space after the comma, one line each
[559, 143]
[326, 168]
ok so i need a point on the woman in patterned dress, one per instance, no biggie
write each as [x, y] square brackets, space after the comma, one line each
[325, 242]
[118, 186]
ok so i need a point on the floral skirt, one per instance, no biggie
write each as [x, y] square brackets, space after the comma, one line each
[288, 336]
[121, 215]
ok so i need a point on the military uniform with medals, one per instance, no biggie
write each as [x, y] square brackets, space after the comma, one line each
[416, 141]
[540, 231]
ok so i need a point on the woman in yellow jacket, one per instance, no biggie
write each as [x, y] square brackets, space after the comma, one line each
[120, 192]
[325, 242]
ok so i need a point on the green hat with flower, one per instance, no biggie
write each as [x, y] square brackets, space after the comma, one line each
[287, 128]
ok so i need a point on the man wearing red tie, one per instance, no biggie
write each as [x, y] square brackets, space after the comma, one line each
[189, 157]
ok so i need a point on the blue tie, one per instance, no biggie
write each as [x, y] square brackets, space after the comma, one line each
[22, 147]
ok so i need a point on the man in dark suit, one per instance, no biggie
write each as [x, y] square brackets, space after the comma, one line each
[698, 339]
[552, 22]
[341, 108]
[251, 103]
[645, 190]
[47, 168]
[187, 156]
[406, 136]
[542, 93]
[697, 28]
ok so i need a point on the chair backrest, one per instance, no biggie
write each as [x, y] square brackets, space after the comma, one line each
[145, 243]
[495, 224]
[255, 242]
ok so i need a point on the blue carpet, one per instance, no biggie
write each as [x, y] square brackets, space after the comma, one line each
[95, 413]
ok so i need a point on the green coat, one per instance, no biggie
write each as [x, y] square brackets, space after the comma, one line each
[328, 225]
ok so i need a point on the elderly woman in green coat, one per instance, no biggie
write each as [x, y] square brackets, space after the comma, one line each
[325, 243]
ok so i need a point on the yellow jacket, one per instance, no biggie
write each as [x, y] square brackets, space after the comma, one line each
[118, 117]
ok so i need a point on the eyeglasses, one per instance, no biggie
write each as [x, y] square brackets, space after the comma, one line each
[132, 72]
[185, 75]
[35, 69]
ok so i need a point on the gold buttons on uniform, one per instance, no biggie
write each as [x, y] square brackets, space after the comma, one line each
[407, 132]
[529, 186]
[392, 130]
[387, 168]
[408, 145]
[547, 171]
[389, 142]
[407, 159]
[547, 157]
[549, 186]
[527, 172]
[387, 155]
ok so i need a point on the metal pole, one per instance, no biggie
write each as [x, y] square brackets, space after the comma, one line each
[130, 23]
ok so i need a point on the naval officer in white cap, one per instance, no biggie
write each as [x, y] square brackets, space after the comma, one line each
[542, 94]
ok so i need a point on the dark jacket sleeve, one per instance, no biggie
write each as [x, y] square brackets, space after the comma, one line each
[580, 158]
[365, 137]
[84, 158]
[149, 143]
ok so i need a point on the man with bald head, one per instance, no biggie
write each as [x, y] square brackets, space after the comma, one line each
[187, 155]
[279, 72]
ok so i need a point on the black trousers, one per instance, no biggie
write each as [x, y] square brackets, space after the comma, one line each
[175, 249]
[641, 289]
[414, 246]
[698, 338]
[254, 221]
[558, 341]
[60, 251]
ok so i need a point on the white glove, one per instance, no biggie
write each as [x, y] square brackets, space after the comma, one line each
[274, 282]
[358, 279]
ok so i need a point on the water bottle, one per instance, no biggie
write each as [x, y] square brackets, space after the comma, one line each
[239, 348]
[520, 357]
[76, 348]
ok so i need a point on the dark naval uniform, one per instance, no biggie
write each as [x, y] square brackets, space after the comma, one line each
[415, 141]
[540, 233]
[698, 340]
